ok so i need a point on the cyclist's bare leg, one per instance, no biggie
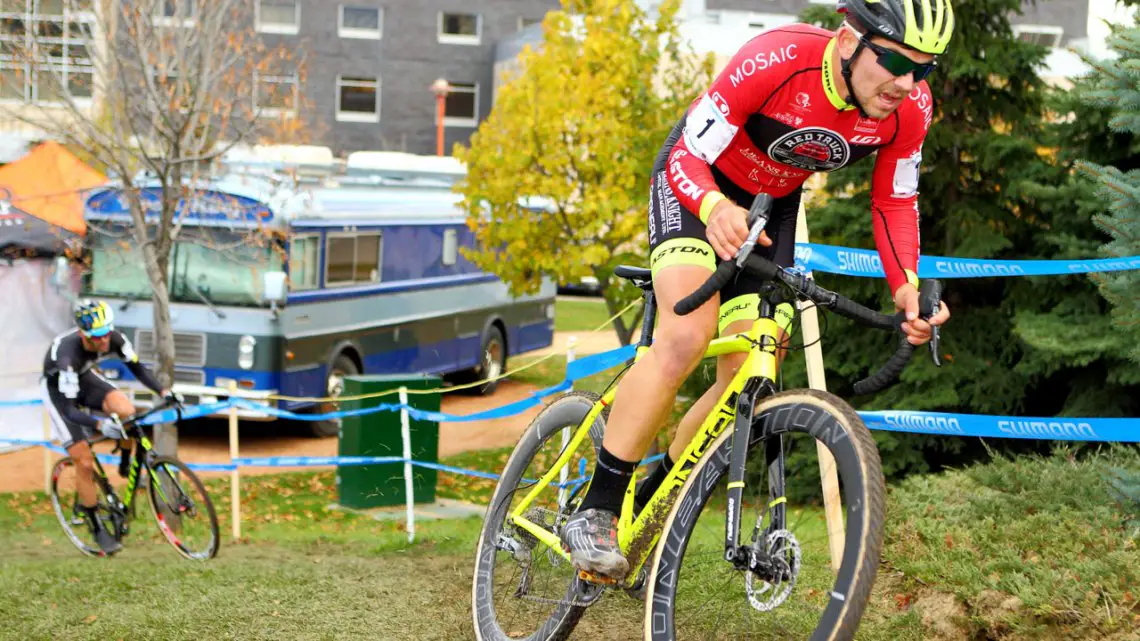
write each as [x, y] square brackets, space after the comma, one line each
[80, 452]
[642, 402]
[726, 368]
[646, 394]
[117, 402]
[84, 458]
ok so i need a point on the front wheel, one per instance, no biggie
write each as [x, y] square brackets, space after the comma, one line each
[782, 585]
[522, 589]
[182, 509]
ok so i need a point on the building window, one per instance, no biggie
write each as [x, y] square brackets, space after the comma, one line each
[360, 22]
[357, 99]
[303, 262]
[526, 22]
[176, 12]
[462, 106]
[460, 28]
[44, 51]
[275, 95]
[278, 16]
[1045, 35]
[352, 259]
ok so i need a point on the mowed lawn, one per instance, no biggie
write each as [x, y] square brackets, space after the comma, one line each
[1015, 550]
[301, 571]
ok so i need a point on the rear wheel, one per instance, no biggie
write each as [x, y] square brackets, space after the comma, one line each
[65, 503]
[342, 366]
[522, 589]
[492, 363]
[783, 586]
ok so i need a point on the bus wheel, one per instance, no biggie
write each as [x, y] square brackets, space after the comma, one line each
[342, 366]
[492, 363]
[492, 360]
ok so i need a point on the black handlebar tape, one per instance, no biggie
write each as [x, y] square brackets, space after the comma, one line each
[714, 284]
[846, 307]
[889, 372]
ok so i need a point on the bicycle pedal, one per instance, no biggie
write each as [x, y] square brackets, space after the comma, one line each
[590, 577]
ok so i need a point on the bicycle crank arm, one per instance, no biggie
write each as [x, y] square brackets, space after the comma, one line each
[741, 436]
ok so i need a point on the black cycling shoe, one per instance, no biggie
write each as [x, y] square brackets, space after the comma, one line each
[104, 539]
[590, 537]
[106, 542]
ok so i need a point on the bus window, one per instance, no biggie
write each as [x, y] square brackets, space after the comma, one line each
[303, 262]
[368, 258]
[352, 259]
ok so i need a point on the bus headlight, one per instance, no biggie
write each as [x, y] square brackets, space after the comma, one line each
[245, 351]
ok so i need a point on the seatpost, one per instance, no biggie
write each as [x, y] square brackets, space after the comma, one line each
[648, 319]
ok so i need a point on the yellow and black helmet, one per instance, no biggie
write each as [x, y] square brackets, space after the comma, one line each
[922, 25]
[94, 318]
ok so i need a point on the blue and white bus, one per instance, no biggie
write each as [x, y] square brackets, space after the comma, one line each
[356, 269]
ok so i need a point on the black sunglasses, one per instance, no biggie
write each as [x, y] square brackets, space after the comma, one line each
[898, 64]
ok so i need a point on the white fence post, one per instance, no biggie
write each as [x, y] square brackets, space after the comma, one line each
[571, 343]
[406, 434]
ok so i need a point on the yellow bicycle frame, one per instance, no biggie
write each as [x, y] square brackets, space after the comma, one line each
[637, 538]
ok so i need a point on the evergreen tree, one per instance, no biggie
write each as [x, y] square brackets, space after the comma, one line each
[1116, 86]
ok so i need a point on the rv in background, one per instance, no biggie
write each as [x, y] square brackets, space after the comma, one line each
[360, 272]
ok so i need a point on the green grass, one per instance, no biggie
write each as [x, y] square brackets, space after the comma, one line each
[1023, 549]
[585, 314]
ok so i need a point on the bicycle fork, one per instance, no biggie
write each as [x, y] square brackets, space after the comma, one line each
[741, 436]
[754, 389]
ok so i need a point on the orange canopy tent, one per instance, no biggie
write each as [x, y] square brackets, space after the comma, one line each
[41, 201]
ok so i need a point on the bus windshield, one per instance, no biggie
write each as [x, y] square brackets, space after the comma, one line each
[219, 266]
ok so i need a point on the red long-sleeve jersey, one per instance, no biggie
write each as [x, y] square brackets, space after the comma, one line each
[774, 116]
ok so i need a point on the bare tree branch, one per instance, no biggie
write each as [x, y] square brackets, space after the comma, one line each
[171, 90]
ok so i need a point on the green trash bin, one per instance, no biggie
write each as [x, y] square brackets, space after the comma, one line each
[379, 434]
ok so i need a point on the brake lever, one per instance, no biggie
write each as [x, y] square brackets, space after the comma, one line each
[930, 303]
[750, 242]
[935, 340]
[758, 215]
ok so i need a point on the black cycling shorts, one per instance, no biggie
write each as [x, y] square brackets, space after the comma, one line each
[677, 237]
[93, 389]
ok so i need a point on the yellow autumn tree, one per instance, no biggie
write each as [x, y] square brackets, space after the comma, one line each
[575, 130]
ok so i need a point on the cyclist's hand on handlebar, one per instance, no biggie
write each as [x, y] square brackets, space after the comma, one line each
[917, 330]
[112, 429]
[728, 229]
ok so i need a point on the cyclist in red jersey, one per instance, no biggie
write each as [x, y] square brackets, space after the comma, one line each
[793, 101]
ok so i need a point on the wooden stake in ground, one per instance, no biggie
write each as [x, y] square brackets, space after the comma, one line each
[235, 480]
[832, 503]
[47, 452]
